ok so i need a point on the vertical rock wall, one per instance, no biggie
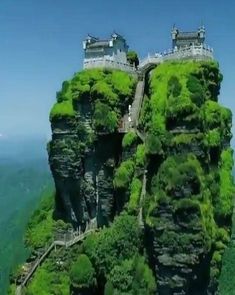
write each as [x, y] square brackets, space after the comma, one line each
[85, 146]
[187, 134]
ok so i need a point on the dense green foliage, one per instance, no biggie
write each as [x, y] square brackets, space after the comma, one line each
[40, 226]
[176, 102]
[132, 276]
[182, 176]
[104, 117]
[112, 245]
[140, 155]
[124, 174]
[109, 92]
[49, 279]
[197, 90]
[176, 171]
[129, 139]
[224, 202]
[216, 122]
[227, 277]
[174, 87]
[132, 58]
[62, 109]
[133, 204]
[82, 273]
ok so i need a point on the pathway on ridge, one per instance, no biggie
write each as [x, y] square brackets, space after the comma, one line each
[62, 242]
[131, 121]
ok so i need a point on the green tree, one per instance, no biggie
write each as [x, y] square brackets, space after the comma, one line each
[174, 86]
[82, 273]
[112, 245]
[132, 58]
[133, 276]
[196, 88]
[227, 277]
[108, 290]
[104, 118]
[124, 174]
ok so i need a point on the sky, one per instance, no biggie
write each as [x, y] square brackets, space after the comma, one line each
[41, 46]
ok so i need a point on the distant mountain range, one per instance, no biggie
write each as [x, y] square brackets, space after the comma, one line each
[24, 176]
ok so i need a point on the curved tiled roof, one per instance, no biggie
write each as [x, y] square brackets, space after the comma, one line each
[100, 43]
[186, 35]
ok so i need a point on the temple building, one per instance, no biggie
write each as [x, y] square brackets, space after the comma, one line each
[114, 49]
[182, 39]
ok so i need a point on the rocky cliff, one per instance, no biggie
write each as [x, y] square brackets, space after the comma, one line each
[163, 190]
[85, 147]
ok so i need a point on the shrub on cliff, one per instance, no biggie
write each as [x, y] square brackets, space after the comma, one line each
[129, 139]
[65, 93]
[140, 157]
[153, 144]
[177, 91]
[177, 172]
[213, 115]
[196, 88]
[174, 87]
[132, 58]
[132, 276]
[227, 277]
[113, 88]
[224, 201]
[48, 279]
[62, 109]
[123, 84]
[40, 226]
[133, 203]
[82, 273]
[124, 174]
[108, 290]
[103, 91]
[104, 118]
[213, 138]
[112, 245]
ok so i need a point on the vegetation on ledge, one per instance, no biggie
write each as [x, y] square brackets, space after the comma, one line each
[108, 91]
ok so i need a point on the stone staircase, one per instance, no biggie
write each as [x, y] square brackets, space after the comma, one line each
[65, 241]
[130, 121]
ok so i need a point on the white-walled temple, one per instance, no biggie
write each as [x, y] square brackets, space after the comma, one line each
[110, 53]
[182, 39]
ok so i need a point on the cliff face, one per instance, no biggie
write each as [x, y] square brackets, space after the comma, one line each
[189, 204]
[85, 148]
[172, 175]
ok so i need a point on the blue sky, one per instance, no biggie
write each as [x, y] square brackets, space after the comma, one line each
[41, 45]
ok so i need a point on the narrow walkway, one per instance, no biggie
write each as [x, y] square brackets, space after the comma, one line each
[137, 103]
[74, 238]
[130, 121]
[194, 52]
